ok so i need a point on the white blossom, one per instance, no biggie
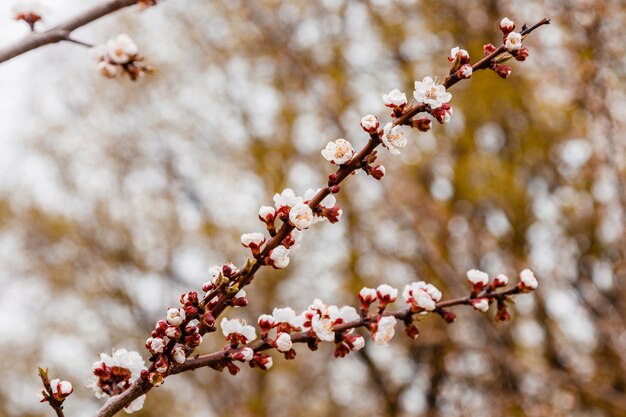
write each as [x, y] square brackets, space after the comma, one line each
[501, 280]
[155, 344]
[385, 330]
[178, 354]
[121, 49]
[429, 92]
[477, 278]
[395, 98]
[246, 354]
[528, 280]
[338, 152]
[422, 295]
[286, 199]
[109, 70]
[323, 328]
[458, 51]
[368, 295]
[344, 314]
[121, 358]
[387, 293]
[288, 316]
[267, 213]
[481, 304]
[238, 326]
[465, 71]
[283, 342]
[507, 25]
[393, 138]
[370, 123]
[513, 41]
[252, 239]
[279, 257]
[175, 316]
[266, 320]
[301, 216]
[358, 343]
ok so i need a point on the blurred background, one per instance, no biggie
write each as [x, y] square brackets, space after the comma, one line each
[116, 197]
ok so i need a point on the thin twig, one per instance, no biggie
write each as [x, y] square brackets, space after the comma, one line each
[62, 31]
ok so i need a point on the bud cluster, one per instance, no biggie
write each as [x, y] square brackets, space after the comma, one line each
[119, 56]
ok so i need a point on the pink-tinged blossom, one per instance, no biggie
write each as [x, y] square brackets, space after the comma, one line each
[266, 321]
[109, 70]
[279, 257]
[421, 295]
[345, 314]
[175, 316]
[338, 152]
[178, 354]
[155, 345]
[267, 213]
[513, 41]
[429, 92]
[528, 281]
[460, 54]
[507, 25]
[287, 319]
[386, 293]
[370, 123]
[301, 216]
[477, 278]
[367, 296]
[480, 304]
[60, 389]
[286, 199]
[252, 240]
[358, 343]
[128, 366]
[238, 330]
[500, 281]
[395, 99]
[443, 114]
[283, 342]
[393, 138]
[465, 71]
[385, 330]
[323, 328]
[244, 355]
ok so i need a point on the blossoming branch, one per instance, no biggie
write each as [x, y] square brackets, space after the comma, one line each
[123, 376]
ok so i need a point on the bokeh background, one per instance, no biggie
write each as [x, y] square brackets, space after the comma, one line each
[115, 197]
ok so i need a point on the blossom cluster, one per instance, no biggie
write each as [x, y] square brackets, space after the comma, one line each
[120, 55]
[114, 374]
[331, 323]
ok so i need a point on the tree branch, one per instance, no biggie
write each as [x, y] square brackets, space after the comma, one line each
[62, 31]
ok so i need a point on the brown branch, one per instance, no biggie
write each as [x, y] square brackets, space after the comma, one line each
[245, 276]
[62, 31]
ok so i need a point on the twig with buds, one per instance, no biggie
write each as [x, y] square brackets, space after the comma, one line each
[54, 391]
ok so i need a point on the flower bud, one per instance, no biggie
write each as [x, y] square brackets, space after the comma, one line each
[503, 71]
[162, 364]
[422, 124]
[370, 123]
[522, 54]
[507, 26]
[178, 354]
[465, 71]
[489, 49]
